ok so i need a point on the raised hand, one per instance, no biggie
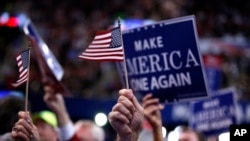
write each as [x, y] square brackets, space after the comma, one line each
[152, 110]
[126, 116]
[24, 129]
[56, 103]
[152, 113]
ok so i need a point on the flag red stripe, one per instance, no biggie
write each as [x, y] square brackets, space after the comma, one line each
[103, 54]
[102, 32]
[22, 78]
[102, 37]
[106, 45]
[103, 58]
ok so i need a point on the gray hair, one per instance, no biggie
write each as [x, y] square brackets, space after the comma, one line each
[6, 137]
[96, 131]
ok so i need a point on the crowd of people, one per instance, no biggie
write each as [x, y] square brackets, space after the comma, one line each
[126, 118]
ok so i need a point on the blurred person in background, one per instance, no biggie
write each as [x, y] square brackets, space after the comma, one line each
[188, 134]
[152, 115]
[46, 124]
[41, 126]
[126, 116]
[56, 125]
[83, 130]
[9, 107]
[55, 103]
[87, 130]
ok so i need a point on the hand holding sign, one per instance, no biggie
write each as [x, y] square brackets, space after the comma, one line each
[126, 116]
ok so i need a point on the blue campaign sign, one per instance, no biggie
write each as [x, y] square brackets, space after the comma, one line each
[215, 115]
[213, 78]
[53, 64]
[212, 64]
[164, 59]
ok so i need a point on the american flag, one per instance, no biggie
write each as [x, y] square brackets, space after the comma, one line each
[22, 62]
[106, 46]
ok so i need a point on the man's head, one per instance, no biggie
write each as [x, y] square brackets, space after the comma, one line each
[188, 134]
[46, 123]
[9, 107]
[88, 131]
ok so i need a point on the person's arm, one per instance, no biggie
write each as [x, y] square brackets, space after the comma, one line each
[55, 102]
[24, 129]
[126, 116]
[152, 113]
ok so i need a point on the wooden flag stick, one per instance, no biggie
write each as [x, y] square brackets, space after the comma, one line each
[27, 83]
[124, 59]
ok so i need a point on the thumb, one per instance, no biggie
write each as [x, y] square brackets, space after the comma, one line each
[137, 104]
[21, 114]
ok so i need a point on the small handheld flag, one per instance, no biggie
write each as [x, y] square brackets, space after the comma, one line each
[23, 66]
[106, 46]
